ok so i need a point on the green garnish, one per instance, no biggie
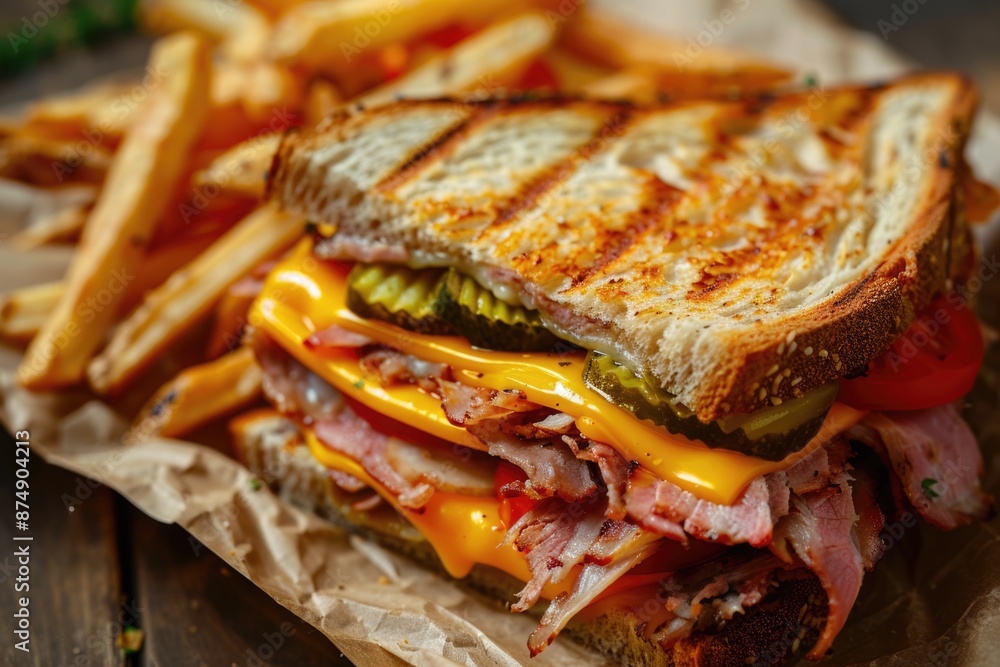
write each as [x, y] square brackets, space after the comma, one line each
[927, 485]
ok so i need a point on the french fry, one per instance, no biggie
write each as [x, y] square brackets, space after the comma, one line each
[200, 394]
[605, 39]
[322, 99]
[138, 187]
[249, 99]
[242, 30]
[637, 84]
[25, 206]
[98, 114]
[572, 72]
[63, 226]
[43, 161]
[29, 306]
[329, 35]
[189, 294]
[23, 311]
[487, 60]
[241, 171]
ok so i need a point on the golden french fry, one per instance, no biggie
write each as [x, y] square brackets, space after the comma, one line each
[63, 226]
[484, 62]
[200, 394]
[29, 306]
[605, 39]
[189, 294]
[23, 311]
[97, 115]
[242, 29]
[637, 84]
[322, 99]
[249, 99]
[572, 72]
[26, 206]
[139, 184]
[43, 161]
[330, 35]
[242, 170]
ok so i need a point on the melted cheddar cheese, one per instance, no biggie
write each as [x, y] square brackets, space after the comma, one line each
[303, 295]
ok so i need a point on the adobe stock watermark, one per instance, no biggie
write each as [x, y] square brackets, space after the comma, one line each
[711, 30]
[900, 14]
[34, 23]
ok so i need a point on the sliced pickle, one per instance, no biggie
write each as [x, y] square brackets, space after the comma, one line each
[771, 433]
[396, 294]
[488, 322]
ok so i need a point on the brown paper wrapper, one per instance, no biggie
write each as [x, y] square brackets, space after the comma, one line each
[934, 599]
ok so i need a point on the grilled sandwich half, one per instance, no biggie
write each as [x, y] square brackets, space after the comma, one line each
[607, 350]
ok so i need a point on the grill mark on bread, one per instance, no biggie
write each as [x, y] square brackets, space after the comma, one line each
[557, 174]
[659, 200]
[435, 150]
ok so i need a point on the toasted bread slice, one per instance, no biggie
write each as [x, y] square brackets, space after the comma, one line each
[777, 631]
[739, 252]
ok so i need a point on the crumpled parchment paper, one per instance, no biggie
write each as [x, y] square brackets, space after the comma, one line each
[933, 600]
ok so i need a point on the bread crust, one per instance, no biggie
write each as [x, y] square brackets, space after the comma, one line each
[777, 631]
[607, 290]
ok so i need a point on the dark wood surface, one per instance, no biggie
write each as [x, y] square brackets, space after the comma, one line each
[105, 565]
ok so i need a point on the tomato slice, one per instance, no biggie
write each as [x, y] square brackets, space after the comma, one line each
[935, 362]
[513, 505]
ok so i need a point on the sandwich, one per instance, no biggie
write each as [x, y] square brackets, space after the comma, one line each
[659, 374]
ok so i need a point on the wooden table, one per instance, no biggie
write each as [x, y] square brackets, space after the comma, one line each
[106, 565]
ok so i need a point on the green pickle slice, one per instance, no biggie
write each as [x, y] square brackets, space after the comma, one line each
[771, 433]
[442, 302]
[398, 295]
[474, 312]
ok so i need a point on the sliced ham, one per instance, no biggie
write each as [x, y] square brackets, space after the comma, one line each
[551, 467]
[349, 434]
[467, 406]
[619, 547]
[554, 537]
[663, 507]
[395, 368]
[937, 461]
[820, 531]
[613, 467]
[294, 389]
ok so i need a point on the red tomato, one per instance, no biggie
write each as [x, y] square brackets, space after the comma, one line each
[512, 507]
[935, 362]
[538, 75]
